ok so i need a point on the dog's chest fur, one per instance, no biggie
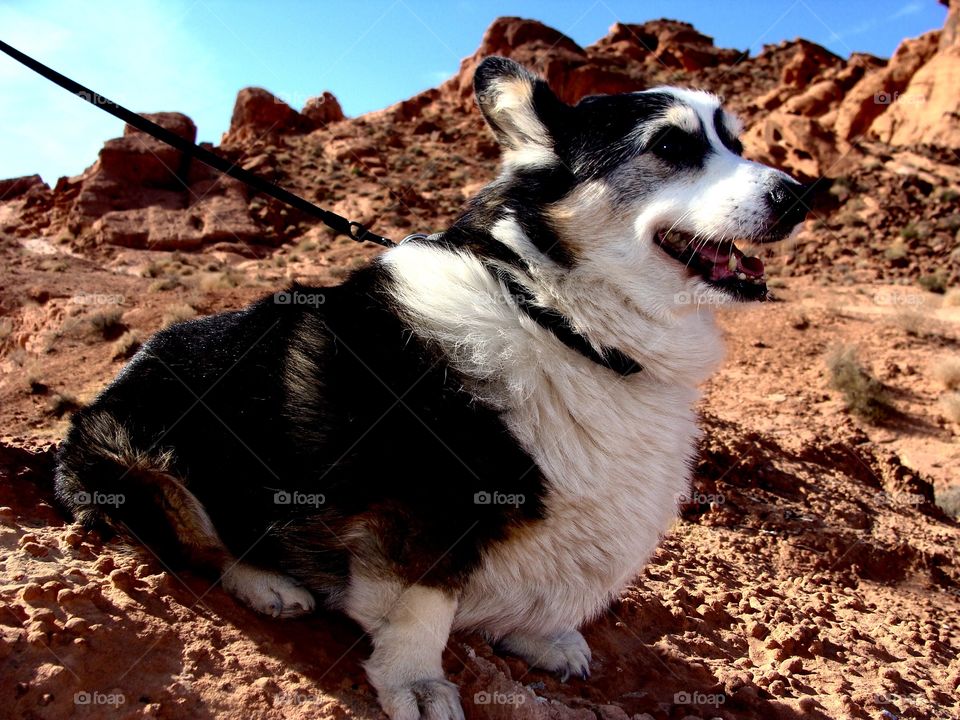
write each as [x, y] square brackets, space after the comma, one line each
[614, 451]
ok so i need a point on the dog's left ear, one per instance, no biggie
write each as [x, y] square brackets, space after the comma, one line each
[518, 106]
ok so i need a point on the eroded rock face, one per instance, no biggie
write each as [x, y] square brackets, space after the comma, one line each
[928, 109]
[806, 110]
[259, 116]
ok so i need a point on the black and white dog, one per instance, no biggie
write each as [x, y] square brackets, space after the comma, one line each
[486, 429]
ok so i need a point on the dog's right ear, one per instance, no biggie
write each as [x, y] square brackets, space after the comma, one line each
[517, 105]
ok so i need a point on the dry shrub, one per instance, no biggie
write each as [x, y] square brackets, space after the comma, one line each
[951, 406]
[127, 345]
[947, 373]
[949, 501]
[863, 394]
[178, 312]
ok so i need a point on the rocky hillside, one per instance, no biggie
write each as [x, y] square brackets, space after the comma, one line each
[883, 132]
[813, 572]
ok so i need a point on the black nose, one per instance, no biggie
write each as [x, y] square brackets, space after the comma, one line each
[787, 201]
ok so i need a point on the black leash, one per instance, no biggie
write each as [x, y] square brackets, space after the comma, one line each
[352, 229]
[547, 318]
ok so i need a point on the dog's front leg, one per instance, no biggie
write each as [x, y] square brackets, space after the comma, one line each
[409, 626]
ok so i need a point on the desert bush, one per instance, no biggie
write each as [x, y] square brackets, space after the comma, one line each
[164, 283]
[911, 322]
[950, 403]
[897, 250]
[947, 373]
[176, 313]
[107, 323]
[127, 345]
[62, 403]
[863, 394]
[910, 231]
[934, 282]
[949, 501]
[225, 280]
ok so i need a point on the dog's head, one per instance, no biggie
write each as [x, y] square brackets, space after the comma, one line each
[648, 189]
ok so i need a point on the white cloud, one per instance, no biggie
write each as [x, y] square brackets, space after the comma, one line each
[911, 8]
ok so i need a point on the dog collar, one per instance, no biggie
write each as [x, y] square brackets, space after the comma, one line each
[558, 324]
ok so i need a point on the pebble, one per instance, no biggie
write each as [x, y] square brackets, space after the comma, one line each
[889, 673]
[77, 625]
[757, 630]
[791, 666]
[35, 549]
[31, 592]
[104, 565]
[807, 704]
[66, 596]
[122, 579]
[7, 515]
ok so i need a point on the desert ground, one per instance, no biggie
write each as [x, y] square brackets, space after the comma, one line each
[814, 570]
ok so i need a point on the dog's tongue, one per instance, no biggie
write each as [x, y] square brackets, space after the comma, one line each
[731, 263]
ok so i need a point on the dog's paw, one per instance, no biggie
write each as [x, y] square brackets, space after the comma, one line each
[566, 654]
[268, 592]
[435, 699]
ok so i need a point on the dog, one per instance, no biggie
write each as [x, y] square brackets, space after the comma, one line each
[487, 429]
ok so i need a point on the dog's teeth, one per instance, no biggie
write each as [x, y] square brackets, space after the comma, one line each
[732, 263]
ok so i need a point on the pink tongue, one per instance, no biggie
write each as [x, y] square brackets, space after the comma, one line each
[749, 266]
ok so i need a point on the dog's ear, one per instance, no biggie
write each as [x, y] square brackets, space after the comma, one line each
[518, 106]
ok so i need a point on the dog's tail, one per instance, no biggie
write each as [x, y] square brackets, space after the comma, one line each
[109, 485]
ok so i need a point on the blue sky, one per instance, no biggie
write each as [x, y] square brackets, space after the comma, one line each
[194, 55]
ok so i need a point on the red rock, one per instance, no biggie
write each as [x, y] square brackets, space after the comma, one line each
[15, 187]
[260, 115]
[322, 110]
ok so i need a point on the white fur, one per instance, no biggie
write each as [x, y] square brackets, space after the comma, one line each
[615, 451]
[409, 627]
[267, 592]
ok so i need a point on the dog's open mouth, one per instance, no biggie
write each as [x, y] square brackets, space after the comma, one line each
[720, 263]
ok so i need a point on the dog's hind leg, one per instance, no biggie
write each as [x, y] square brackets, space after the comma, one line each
[409, 626]
[106, 481]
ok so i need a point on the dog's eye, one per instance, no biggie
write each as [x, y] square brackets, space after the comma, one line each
[676, 147]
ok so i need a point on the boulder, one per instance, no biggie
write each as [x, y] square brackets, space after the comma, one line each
[260, 115]
[321, 110]
[16, 187]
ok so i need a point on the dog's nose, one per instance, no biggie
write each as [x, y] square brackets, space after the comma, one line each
[787, 201]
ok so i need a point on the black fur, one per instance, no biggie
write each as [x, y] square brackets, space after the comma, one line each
[381, 427]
